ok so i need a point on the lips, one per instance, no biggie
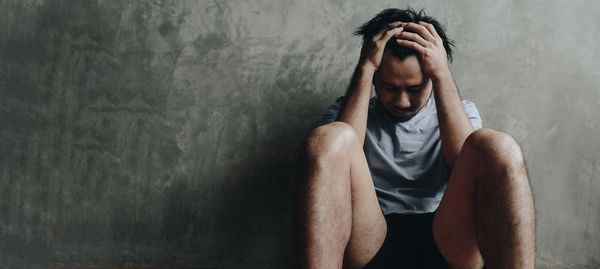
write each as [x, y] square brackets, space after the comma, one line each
[404, 110]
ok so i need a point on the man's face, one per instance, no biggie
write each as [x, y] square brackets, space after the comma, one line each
[401, 86]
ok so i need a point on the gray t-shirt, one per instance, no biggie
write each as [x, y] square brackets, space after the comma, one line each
[406, 159]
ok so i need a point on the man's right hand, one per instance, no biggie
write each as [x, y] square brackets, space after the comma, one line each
[356, 110]
[372, 50]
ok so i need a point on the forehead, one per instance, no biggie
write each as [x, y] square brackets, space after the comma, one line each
[400, 73]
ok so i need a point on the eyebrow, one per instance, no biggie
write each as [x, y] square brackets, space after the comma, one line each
[410, 87]
[419, 86]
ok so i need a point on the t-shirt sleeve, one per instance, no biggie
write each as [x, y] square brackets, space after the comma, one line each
[473, 114]
[333, 111]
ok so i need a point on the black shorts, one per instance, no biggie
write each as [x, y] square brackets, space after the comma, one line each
[408, 244]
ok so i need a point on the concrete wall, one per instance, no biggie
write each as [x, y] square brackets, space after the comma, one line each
[165, 132]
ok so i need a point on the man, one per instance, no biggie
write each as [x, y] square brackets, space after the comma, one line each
[404, 179]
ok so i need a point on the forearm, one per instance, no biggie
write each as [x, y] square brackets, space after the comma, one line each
[358, 94]
[454, 124]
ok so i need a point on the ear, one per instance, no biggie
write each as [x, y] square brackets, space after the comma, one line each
[375, 82]
[376, 76]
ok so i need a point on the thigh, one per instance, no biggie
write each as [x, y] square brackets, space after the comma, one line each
[454, 221]
[368, 224]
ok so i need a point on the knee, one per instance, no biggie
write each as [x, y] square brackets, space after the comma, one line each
[327, 141]
[326, 148]
[496, 150]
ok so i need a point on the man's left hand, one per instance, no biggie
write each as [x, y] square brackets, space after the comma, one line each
[429, 45]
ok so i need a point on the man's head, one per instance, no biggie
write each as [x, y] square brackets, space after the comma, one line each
[401, 86]
[385, 18]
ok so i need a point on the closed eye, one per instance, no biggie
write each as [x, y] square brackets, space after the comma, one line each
[390, 88]
[416, 89]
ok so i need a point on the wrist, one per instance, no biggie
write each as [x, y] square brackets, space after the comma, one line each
[441, 76]
[366, 68]
[362, 79]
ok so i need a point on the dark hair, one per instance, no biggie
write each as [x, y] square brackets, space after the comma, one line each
[384, 18]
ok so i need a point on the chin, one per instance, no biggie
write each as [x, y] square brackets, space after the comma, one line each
[404, 117]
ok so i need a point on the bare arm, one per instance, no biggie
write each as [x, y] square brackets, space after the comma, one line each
[357, 96]
[357, 100]
[454, 124]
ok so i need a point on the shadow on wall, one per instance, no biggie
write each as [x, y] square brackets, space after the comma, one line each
[118, 152]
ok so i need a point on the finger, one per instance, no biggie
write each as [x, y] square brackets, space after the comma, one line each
[379, 35]
[395, 24]
[413, 37]
[411, 45]
[383, 31]
[390, 33]
[420, 29]
[431, 29]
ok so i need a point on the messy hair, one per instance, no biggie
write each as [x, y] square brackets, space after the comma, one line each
[383, 20]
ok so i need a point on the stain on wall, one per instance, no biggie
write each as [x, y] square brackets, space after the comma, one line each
[165, 132]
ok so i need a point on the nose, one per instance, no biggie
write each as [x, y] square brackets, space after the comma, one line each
[402, 100]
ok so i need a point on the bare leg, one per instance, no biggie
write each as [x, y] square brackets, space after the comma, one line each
[339, 219]
[487, 210]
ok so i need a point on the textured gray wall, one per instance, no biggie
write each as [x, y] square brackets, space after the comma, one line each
[165, 132]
